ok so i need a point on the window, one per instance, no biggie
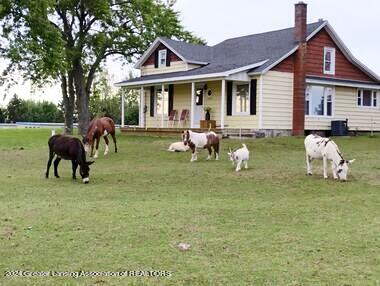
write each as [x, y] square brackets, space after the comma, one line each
[329, 95]
[319, 100]
[240, 99]
[329, 61]
[162, 101]
[199, 96]
[162, 58]
[367, 98]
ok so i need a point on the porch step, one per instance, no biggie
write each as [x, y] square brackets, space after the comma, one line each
[225, 133]
[246, 133]
[162, 131]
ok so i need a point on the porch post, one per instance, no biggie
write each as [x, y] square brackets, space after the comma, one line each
[260, 109]
[142, 106]
[163, 106]
[122, 108]
[222, 103]
[192, 105]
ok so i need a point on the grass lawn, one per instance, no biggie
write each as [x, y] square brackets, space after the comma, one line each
[268, 225]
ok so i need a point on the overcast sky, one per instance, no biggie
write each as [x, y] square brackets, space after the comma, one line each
[356, 22]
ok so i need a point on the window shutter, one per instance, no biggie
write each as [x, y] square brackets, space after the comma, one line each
[229, 98]
[253, 96]
[156, 59]
[170, 104]
[168, 52]
[152, 101]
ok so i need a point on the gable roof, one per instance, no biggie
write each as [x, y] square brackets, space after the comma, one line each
[189, 53]
[348, 54]
[241, 53]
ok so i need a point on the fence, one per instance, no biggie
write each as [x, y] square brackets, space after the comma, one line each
[38, 125]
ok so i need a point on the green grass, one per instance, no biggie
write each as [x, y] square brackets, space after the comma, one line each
[268, 225]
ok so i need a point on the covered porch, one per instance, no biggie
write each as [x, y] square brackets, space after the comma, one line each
[181, 105]
[179, 99]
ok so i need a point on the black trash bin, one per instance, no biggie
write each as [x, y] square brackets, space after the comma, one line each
[339, 127]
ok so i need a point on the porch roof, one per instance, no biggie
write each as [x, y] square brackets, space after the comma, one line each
[342, 82]
[206, 72]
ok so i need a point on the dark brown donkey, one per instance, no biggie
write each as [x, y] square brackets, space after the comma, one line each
[99, 127]
[68, 148]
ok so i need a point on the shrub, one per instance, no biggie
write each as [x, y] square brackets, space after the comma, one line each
[111, 107]
[3, 115]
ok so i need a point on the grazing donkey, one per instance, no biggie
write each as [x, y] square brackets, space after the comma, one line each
[324, 148]
[99, 127]
[68, 148]
[201, 140]
[239, 156]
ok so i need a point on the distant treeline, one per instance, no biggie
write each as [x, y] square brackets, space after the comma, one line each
[111, 107]
[20, 110]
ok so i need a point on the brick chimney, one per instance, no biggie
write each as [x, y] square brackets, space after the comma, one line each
[300, 32]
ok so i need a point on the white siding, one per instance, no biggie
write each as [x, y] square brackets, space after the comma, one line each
[359, 118]
[174, 67]
[277, 101]
[244, 121]
[181, 100]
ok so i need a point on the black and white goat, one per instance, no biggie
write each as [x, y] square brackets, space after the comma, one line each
[324, 148]
[239, 157]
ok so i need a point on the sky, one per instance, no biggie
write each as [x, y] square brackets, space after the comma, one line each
[356, 22]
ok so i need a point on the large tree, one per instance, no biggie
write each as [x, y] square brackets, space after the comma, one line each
[69, 40]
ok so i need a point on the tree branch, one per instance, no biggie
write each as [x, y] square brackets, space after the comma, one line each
[94, 67]
[66, 27]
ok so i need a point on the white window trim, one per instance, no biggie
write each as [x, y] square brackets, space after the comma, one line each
[325, 103]
[234, 88]
[160, 56]
[367, 107]
[332, 64]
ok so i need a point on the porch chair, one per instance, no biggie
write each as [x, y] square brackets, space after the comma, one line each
[183, 117]
[172, 118]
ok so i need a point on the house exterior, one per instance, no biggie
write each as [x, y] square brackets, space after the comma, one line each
[288, 81]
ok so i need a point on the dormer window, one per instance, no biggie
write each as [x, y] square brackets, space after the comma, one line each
[162, 58]
[329, 61]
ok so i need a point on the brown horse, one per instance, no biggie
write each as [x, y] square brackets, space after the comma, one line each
[99, 127]
[201, 140]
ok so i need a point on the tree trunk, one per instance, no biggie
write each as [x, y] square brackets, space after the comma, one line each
[82, 99]
[68, 96]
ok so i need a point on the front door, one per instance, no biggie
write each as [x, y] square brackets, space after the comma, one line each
[198, 111]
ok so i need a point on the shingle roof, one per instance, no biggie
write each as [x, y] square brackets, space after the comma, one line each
[233, 53]
[191, 52]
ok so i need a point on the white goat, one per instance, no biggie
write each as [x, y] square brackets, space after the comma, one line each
[318, 147]
[239, 156]
[178, 147]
